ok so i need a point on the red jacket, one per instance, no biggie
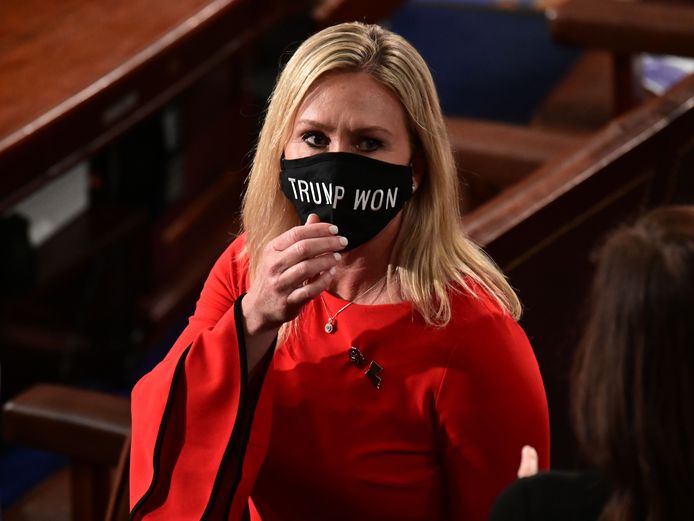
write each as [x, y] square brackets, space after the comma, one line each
[439, 438]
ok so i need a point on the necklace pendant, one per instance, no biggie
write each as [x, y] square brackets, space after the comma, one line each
[329, 326]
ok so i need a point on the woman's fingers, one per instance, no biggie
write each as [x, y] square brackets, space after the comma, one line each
[300, 243]
[312, 219]
[307, 249]
[308, 292]
[296, 267]
[299, 233]
[528, 465]
[305, 270]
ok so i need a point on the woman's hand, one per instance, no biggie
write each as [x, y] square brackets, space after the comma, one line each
[528, 465]
[295, 267]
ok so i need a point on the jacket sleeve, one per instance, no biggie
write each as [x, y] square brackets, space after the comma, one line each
[491, 402]
[191, 415]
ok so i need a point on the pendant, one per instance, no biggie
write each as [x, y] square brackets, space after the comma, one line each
[329, 327]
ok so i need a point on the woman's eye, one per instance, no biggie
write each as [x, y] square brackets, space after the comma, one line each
[369, 145]
[314, 139]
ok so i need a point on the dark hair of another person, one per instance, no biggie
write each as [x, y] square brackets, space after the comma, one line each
[633, 378]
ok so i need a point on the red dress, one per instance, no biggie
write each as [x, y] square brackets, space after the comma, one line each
[438, 438]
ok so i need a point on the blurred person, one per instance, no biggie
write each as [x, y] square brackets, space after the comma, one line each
[633, 387]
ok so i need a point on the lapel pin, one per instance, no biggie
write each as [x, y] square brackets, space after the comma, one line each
[355, 356]
[373, 373]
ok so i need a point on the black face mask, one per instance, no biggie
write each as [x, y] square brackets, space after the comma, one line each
[358, 194]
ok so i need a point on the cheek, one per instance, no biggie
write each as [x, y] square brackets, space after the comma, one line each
[400, 154]
[295, 150]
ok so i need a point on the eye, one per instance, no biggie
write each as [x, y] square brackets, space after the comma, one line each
[369, 144]
[315, 139]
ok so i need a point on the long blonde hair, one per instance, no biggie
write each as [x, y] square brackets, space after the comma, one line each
[433, 255]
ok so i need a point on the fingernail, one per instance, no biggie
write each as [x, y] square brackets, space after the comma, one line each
[343, 241]
[332, 270]
[337, 256]
[333, 229]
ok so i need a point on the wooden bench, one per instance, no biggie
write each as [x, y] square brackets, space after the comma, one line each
[606, 81]
[492, 155]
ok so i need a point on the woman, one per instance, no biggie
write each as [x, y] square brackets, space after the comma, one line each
[633, 388]
[351, 340]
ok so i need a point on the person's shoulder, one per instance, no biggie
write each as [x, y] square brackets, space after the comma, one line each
[472, 306]
[483, 329]
[237, 249]
[571, 496]
[474, 299]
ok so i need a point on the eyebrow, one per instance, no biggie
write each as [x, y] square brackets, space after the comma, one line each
[322, 126]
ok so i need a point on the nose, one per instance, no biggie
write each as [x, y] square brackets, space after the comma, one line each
[340, 141]
[339, 144]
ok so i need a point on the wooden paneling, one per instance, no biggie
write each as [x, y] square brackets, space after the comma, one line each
[331, 12]
[625, 27]
[75, 73]
[542, 230]
[491, 156]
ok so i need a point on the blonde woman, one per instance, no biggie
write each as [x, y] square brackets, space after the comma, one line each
[352, 354]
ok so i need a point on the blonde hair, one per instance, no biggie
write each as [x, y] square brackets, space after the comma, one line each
[436, 256]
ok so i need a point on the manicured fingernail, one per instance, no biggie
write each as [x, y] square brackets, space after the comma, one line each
[332, 270]
[333, 229]
[337, 256]
[343, 241]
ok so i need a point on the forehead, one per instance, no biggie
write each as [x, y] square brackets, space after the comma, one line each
[353, 98]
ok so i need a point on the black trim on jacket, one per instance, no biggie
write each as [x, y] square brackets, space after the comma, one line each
[235, 450]
[160, 435]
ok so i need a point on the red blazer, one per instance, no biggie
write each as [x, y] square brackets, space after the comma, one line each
[313, 437]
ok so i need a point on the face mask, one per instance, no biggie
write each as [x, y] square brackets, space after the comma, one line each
[358, 194]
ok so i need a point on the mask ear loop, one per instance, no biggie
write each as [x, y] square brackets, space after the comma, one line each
[414, 182]
[415, 149]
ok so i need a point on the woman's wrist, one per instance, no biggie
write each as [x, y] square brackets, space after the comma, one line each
[258, 337]
[253, 323]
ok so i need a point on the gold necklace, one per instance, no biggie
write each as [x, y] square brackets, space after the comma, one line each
[331, 324]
